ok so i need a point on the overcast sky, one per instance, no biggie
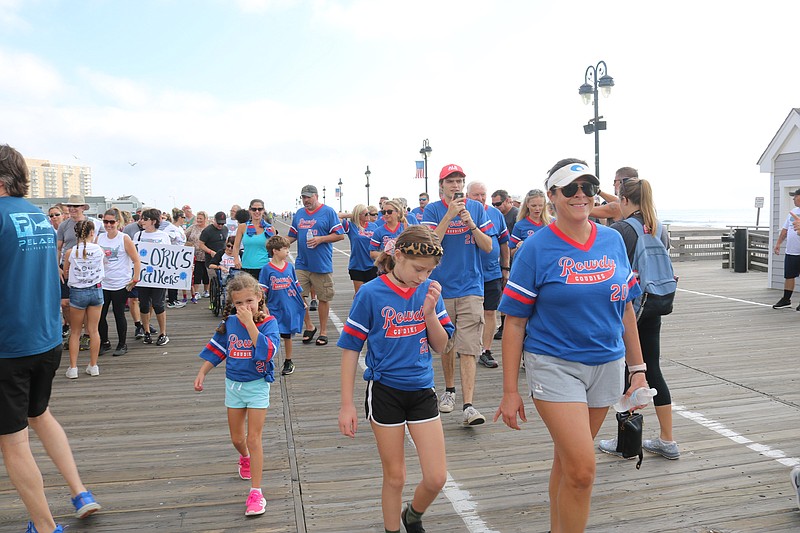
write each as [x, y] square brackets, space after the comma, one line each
[221, 101]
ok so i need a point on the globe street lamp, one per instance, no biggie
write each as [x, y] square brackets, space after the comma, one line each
[340, 194]
[425, 151]
[595, 77]
[367, 174]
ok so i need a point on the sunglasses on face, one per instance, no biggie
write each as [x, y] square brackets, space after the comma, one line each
[55, 215]
[228, 246]
[257, 209]
[388, 211]
[423, 199]
[498, 204]
[589, 189]
[373, 214]
[109, 221]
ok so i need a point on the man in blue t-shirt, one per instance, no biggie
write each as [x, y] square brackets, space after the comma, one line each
[464, 230]
[30, 346]
[495, 270]
[423, 201]
[315, 227]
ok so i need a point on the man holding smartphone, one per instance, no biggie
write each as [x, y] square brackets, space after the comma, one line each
[463, 229]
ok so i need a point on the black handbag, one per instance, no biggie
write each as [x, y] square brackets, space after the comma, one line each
[629, 435]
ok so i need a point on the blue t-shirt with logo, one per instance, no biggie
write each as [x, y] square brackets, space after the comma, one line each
[572, 294]
[284, 299]
[461, 272]
[31, 290]
[491, 260]
[522, 230]
[322, 221]
[391, 319]
[383, 235]
[245, 362]
[359, 245]
[417, 212]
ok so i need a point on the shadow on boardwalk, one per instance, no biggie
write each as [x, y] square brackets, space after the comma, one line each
[158, 456]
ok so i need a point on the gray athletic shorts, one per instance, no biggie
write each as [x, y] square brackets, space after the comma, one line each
[552, 379]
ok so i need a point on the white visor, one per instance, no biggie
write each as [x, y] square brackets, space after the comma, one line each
[569, 173]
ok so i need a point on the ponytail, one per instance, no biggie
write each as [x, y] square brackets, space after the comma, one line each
[640, 193]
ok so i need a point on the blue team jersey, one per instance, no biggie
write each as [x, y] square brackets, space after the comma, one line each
[283, 296]
[417, 212]
[491, 261]
[412, 220]
[572, 294]
[391, 319]
[243, 361]
[322, 221]
[461, 272]
[30, 292]
[383, 235]
[522, 230]
[359, 245]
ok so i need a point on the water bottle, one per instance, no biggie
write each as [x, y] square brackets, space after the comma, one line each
[641, 396]
[309, 236]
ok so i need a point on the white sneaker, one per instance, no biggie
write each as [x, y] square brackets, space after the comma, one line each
[205, 294]
[795, 478]
[91, 370]
[72, 372]
[473, 417]
[447, 402]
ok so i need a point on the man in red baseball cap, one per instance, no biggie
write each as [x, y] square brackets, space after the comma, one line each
[463, 229]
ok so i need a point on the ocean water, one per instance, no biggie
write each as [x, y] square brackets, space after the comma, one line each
[712, 218]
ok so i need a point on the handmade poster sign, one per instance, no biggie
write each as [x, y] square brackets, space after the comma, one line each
[165, 265]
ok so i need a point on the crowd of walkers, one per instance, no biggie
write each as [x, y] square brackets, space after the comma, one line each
[428, 279]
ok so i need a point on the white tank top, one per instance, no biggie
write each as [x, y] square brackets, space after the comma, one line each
[117, 262]
[88, 271]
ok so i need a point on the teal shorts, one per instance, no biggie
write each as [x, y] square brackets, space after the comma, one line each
[248, 394]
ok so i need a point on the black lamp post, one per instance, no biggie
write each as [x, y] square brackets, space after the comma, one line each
[367, 174]
[425, 151]
[340, 194]
[323, 194]
[595, 77]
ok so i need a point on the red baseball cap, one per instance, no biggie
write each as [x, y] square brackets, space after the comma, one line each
[450, 169]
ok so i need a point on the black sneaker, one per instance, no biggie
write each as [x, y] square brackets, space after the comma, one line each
[121, 350]
[797, 308]
[487, 360]
[499, 335]
[416, 527]
[105, 347]
[147, 338]
[288, 367]
[783, 302]
[152, 330]
[139, 332]
[162, 340]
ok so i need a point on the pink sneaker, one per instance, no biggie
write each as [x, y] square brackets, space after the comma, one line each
[256, 504]
[244, 467]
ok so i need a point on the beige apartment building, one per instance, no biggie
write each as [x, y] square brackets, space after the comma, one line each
[52, 180]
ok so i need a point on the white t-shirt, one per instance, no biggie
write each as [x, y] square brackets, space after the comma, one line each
[86, 271]
[792, 239]
[118, 264]
[154, 236]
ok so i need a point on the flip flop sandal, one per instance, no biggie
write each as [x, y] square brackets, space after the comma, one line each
[308, 335]
[322, 340]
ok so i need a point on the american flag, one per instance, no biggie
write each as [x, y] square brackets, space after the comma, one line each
[420, 172]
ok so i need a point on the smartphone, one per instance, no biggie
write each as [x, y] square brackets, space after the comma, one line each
[458, 195]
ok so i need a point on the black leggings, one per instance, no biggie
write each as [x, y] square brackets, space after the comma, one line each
[650, 339]
[118, 297]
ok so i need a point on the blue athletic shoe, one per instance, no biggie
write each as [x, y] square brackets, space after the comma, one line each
[85, 504]
[32, 529]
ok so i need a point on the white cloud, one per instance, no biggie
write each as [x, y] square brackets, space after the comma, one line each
[26, 76]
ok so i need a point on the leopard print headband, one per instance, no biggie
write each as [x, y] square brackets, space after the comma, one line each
[421, 249]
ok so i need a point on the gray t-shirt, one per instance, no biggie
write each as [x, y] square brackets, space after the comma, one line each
[132, 229]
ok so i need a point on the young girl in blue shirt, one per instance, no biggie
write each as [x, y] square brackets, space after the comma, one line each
[247, 341]
[402, 316]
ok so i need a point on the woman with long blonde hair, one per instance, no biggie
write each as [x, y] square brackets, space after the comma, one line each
[533, 216]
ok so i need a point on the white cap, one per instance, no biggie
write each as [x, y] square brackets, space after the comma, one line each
[569, 173]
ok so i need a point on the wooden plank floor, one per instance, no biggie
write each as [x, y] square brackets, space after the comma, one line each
[158, 457]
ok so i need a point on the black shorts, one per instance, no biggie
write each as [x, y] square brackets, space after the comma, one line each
[387, 406]
[286, 335]
[492, 291]
[25, 386]
[154, 296]
[64, 291]
[364, 275]
[791, 266]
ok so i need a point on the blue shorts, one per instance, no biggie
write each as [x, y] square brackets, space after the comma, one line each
[83, 297]
[247, 394]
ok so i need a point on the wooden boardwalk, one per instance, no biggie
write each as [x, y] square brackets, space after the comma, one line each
[158, 457]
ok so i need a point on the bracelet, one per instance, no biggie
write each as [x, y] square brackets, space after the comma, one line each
[505, 268]
[473, 228]
[630, 375]
[634, 368]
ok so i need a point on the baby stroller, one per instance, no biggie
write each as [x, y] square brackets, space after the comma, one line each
[218, 293]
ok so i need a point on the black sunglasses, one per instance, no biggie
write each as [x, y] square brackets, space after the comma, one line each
[256, 209]
[373, 214]
[388, 211]
[55, 215]
[589, 189]
[109, 221]
[498, 204]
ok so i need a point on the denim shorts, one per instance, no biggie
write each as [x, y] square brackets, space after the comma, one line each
[83, 297]
[247, 394]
